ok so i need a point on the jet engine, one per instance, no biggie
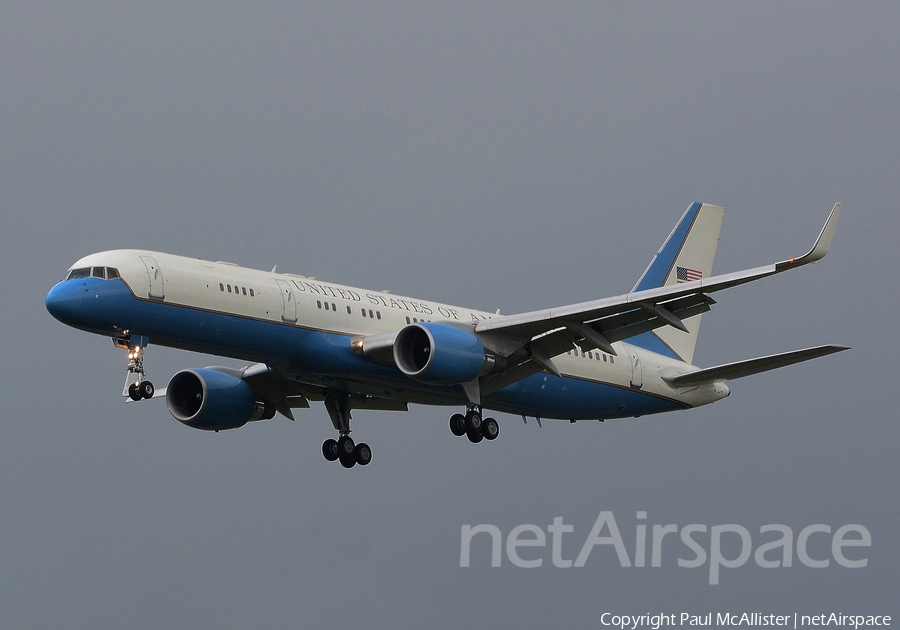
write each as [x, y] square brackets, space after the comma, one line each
[440, 354]
[211, 400]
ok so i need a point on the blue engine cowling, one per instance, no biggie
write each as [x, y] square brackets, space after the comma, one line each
[211, 400]
[439, 354]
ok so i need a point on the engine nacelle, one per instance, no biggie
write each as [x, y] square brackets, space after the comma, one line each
[440, 354]
[211, 400]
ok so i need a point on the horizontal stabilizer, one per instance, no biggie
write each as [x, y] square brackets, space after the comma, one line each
[752, 366]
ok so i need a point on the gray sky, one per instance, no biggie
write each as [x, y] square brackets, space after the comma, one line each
[512, 156]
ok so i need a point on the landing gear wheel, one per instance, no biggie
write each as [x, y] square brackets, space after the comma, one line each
[133, 392]
[362, 454]
[490, 429]
[458, 424]
[347, 461]
[345, 446]
[146, 389]
[475, 436]
[473, 421]
[329, 450]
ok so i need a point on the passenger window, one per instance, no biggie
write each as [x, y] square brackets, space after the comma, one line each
[319, 303]
[371, 314]
[229, 288]
[348, 310]
[221, 287]
[333, 307]
[363, 312]
[244, 290]
[378, 314]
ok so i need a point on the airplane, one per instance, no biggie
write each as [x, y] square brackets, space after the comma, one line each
[312, 341]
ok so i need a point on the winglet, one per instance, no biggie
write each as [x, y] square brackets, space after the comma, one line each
[823, 243]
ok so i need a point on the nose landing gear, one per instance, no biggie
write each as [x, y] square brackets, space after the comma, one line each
[137, 387]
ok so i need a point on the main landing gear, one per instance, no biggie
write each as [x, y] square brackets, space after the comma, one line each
[346, 451]
[473, 426]
[343, 449]
[137, 385]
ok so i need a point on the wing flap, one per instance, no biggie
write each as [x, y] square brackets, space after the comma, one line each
[288, 394]
[630, 323]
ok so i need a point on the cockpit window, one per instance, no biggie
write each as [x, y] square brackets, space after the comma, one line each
[104, 273]
[83, 272]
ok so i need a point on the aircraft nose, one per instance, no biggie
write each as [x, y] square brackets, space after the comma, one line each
[64, 301]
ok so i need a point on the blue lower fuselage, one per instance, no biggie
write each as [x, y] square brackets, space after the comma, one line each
[325, 358]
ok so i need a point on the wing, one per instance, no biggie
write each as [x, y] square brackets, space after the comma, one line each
[288, 394]
[599, 323]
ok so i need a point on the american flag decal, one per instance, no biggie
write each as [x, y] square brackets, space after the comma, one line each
[687, 275]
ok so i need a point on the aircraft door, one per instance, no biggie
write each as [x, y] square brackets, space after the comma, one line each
[289, 302]
[157, 288]
[637, 370]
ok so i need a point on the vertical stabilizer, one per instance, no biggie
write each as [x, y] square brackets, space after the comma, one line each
[686, 255]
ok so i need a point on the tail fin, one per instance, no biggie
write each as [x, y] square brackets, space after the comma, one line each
[687, 254]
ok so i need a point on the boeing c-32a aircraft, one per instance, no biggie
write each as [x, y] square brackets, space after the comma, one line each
[309, 340]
